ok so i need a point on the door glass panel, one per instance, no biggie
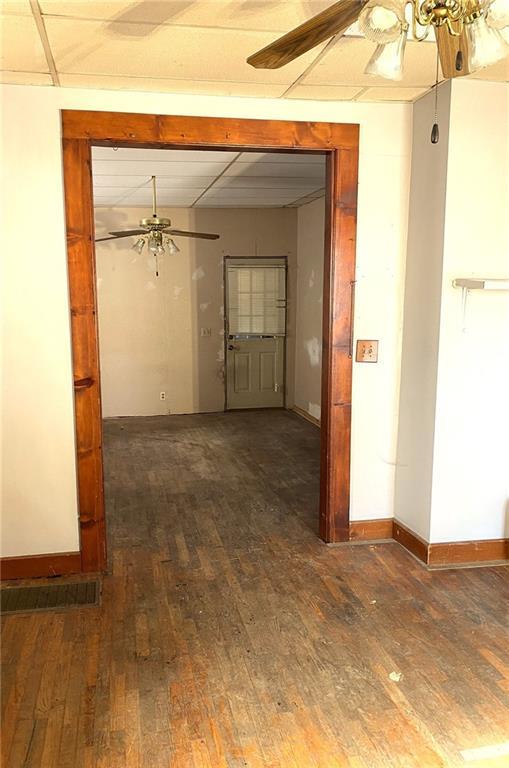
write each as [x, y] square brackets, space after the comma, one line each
[257, 300]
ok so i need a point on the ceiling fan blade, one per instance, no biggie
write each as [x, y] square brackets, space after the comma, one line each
[184, 233]
[111, 237]
[127, 232]
[453, 51]
[328, 23]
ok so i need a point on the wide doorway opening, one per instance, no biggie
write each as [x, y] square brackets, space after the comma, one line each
[210, 300]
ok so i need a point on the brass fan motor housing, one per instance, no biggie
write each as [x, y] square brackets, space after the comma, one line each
[155, 222]
[440, 12]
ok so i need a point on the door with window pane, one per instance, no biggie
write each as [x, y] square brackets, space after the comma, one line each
[256, 332]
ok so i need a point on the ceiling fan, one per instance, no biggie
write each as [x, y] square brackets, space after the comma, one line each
[467, 32]
[156, 230]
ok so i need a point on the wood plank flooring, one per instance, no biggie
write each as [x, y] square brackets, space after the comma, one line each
[230, 636]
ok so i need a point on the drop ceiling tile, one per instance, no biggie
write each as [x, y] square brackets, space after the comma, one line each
[310, 170]
[165, 85]
[137, 168]
[203, 204]
[345, 62]
[15, 7]
[163, 155]
[392, 93]
[25, 78]
[89, 47]
[252, 194]
[282, 157]
[142, 200]
[305, 199]
[235, 14]
[324, 92]
[21, 48]
[267, 182]
[163, 182]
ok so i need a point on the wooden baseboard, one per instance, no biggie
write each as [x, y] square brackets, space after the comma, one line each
[305, 415]
[451, 553]
[371, 530]
[37, 566]
[411, 541]
[463, 552]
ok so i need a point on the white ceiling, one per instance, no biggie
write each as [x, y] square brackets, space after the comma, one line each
[206, 179]
[195, 47]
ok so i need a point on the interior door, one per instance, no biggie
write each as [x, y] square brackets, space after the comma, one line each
[255, 315]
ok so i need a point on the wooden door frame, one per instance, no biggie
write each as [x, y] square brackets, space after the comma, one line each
[340, 142]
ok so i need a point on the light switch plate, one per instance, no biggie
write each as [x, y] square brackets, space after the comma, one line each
[367, 351]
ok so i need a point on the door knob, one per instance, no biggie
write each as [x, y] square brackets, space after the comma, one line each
[232, 347]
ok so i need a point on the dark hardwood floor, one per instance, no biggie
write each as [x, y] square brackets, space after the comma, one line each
[229, 635]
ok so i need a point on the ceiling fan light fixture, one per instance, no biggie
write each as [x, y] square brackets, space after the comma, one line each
[486, 45]
[172, 247]
[382, 23]
[138, 245]
[153, 245]
[387, 60]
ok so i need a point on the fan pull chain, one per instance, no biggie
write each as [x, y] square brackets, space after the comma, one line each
[157, 265]
[435, 133]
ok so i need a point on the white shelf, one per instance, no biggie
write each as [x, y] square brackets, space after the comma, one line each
[481, 283]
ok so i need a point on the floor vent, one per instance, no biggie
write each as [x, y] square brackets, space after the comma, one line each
[46, 597]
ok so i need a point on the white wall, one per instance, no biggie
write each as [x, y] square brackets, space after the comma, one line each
[39, 470]
[471, 466]
[412, 503]
[150, 327]
[309, 309]
[453, 454]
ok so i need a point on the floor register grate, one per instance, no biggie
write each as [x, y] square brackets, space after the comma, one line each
[47, 597]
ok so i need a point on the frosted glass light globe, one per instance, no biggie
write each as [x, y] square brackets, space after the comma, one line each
[382, 23]
[498, 14]
[486, 45]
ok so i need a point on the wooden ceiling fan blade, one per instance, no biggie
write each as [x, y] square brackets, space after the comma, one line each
[127, 232]
[333, 21]
[453, 52]
[185, 233]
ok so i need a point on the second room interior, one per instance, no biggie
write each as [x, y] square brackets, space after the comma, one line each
[221, 337]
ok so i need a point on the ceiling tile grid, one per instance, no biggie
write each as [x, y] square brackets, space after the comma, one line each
[122, 177]
[196, 47]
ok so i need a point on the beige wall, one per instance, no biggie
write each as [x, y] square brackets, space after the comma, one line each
[150, 327]
[39, 488]
[309, 294]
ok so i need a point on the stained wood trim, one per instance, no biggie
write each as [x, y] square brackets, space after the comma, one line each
[411, 541]
[36, 566]
[233, 133]
[339, 277]
[340, 143]
[305, 415]
[371, 530]
[451, 553]
[463, 552]
[85, 349]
